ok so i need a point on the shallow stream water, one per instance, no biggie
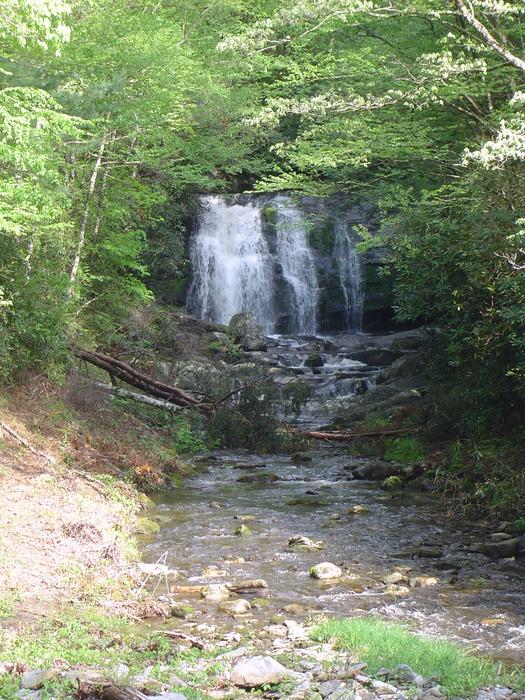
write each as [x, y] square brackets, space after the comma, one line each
[475, 600]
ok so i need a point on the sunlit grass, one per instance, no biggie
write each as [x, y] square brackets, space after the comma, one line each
[383, 645]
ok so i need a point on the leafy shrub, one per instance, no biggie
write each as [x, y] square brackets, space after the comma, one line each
[187, 440]
[406, 450]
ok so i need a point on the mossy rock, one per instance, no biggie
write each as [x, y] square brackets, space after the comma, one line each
[145, 501]
[314, 360]
[243, 531]
[183, 612]
[270, 217]
[379, 294]
[321, 236]
[146, 526]
[260, 603]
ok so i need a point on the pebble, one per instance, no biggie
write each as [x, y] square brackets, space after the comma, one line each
[26, 694]
[405, 673]
[433, 693]
[382, 688]
[120, 672]
[355, 510]
[275, 630]
[423, 581]
[295, 630]
[234, 654]
[32, 680]
[304, 543]
[293, 609]
[88, 677]
[328, 687]
[497, 693]
[395, 577]
[215, 591]
[397, 590]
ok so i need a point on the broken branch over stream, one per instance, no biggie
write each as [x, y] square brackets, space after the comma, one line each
[117, 369]
[168, 397]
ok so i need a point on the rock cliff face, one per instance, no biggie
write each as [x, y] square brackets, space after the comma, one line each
[352, 292]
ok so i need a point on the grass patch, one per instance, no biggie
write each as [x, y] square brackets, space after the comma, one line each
[88, 639]
[383, 645]
[406, 450]
[6, 606]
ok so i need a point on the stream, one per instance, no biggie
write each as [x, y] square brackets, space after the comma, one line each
[450, 590]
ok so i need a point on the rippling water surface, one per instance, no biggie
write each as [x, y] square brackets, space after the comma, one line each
[476, 600]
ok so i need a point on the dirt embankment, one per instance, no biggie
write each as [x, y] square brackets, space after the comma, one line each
[67, 513]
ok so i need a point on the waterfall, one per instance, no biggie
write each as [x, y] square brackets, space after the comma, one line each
[231, 264]
[350, 270]
[233, 268]
[298, 267]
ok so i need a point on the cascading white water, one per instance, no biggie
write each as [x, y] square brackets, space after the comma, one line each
[350, 269]
[233, 269]
[232, 266]
[298, 268]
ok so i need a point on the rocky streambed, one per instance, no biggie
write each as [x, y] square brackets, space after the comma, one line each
[398, 555]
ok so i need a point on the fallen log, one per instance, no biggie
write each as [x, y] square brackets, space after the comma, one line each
[247, 586]
[141, 398]
[166, 395]
[174, 634]
[113, 692]
[117, 369]
[342, 436]
[7, 429]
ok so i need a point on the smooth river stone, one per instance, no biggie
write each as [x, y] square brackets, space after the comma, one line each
[326, 570]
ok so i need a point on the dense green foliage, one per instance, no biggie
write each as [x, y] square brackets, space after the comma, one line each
[114, 115]
[103, 140]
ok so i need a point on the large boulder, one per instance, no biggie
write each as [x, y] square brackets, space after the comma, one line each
[315, 359]
[239, 606]
[375, 471]
[257, 671]
[406, 367]
[246, 332]
[502, 549]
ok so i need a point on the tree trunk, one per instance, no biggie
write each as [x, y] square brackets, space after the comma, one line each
[342, 436]
[100, 206]
[141, 398]
[85, 217]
